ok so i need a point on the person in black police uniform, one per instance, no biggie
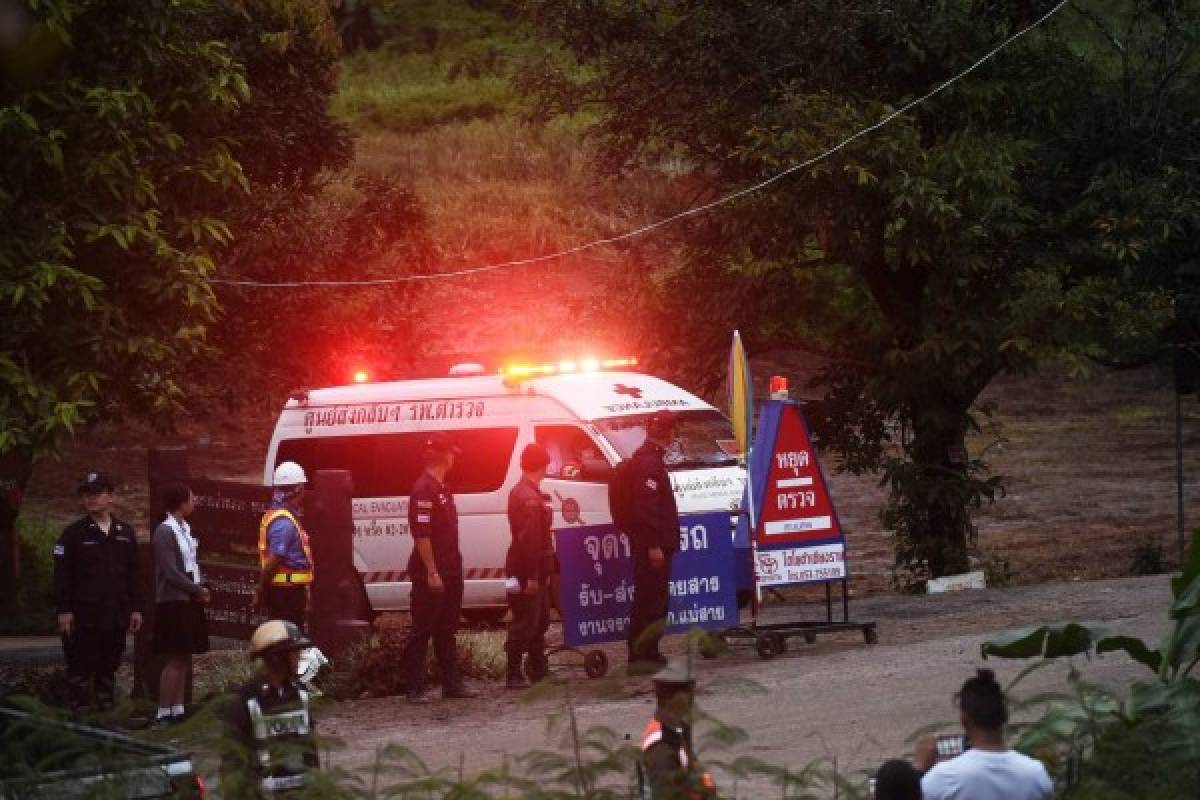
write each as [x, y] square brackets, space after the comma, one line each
[436, 571]
[654, 538]
[97, 592]
[529, 566]
[270, 743]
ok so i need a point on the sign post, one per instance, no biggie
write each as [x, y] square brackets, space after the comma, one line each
[796, 537]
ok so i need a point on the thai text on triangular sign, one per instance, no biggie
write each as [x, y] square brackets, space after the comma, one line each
[798, 536]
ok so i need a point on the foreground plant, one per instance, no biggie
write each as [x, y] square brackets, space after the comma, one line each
[1146, 745]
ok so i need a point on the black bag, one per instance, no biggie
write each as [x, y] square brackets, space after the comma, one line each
[620, 495]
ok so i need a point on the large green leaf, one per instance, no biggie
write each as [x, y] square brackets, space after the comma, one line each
[1046, 641]
[1187, 601]
[1191, 567]
[1187, 642]
[1136, 649]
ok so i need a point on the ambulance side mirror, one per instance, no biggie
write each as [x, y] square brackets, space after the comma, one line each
[595, 469]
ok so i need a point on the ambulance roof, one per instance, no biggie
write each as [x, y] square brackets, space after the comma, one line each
[587, 395]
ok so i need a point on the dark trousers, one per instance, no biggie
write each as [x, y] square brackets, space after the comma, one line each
[434, 616]
[286, 603]
[93, 656]
[530, 620]
[648, 617]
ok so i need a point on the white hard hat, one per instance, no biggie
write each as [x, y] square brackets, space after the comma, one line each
[289, 473]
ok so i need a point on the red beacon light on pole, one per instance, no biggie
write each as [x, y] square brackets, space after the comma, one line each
[779, 387]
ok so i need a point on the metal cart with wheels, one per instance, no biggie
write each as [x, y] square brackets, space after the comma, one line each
[771, 639]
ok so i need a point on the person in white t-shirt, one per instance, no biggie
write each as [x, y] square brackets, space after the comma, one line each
[988, 770]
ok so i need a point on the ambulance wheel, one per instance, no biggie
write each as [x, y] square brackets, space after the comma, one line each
[870, 635]
[810, 637]
[595, 664]
[780, 643]
[765, 643]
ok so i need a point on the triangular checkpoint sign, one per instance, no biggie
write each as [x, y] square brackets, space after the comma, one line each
[798, 535]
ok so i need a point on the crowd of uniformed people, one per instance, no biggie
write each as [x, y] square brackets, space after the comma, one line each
[269, 720]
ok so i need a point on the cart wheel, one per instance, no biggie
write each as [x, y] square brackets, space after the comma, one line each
[810, 637]
[765, 645]
[595, 664]
[780, 643]
[710, 645]
[870, 635]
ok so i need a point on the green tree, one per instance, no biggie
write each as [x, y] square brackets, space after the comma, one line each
[1031, 211]
[121, 176]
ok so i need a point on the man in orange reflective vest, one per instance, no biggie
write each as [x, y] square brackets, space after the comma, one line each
[284, 586]
[669, 769]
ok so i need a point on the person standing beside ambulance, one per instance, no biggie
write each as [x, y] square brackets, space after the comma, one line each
[435, 569]
[285, 583]
[529, 565]
[654, 535]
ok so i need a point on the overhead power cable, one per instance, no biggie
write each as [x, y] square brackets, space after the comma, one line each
[653, 226]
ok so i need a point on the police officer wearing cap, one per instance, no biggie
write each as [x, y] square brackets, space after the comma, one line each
[529, 565]
[284, 588]
[668, 768]
[270, 745]
[655, 538]
[435, 569]
[97, 592]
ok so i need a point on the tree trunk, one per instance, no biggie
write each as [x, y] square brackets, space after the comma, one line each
[15, 468]
[932, 496]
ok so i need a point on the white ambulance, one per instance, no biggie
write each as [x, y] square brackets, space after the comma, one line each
[589, 414]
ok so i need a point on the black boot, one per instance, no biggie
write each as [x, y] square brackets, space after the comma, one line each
[515, 679]
[537, 668]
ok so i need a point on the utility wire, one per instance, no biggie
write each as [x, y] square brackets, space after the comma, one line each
[690, 212]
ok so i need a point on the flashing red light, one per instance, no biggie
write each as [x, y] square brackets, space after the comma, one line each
[518, 371]
[361, 376]
[779, 385]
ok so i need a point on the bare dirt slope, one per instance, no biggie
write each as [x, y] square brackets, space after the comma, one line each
[836, 698]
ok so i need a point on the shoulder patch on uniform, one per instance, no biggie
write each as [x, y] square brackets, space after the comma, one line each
[651, 483]
[60, 550]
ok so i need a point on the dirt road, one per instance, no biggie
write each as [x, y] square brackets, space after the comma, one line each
[837, 697]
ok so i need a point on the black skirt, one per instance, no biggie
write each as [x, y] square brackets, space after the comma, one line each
[180, 628]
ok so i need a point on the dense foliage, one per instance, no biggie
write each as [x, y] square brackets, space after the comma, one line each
[1040, 208]
[131, 137]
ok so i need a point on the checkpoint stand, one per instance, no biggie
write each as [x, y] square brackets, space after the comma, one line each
[796, 537]
[596, 592]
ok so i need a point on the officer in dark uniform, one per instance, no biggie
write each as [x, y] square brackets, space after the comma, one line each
[97, 592]
[529, 565]
[669, 769]
[436, 571]
[654, 536]
[270, 744]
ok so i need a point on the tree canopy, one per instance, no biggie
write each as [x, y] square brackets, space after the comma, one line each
[131, 133]
[1040, 208]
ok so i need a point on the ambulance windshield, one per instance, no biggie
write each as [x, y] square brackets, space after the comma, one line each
[701, 439]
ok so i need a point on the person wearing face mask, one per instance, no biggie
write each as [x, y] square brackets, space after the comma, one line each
[180, 629]
[284, 588]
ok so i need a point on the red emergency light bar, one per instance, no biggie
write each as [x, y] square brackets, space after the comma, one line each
[519, 371]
